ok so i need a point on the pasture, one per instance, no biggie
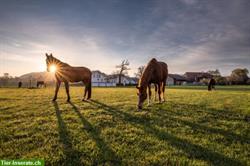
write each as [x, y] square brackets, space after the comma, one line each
[194, 127]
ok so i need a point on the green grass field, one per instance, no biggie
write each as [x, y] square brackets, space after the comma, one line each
[194, 127]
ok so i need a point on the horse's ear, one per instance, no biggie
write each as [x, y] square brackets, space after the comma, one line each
[50, 54]
[46, 55]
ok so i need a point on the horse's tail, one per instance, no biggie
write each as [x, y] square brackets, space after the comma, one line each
[89, 90]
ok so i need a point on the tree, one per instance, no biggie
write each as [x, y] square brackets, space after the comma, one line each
[239, 76]
[215, 73]
[204, 81]
[221, 80]
[5, 79]
[217, 76]
[123, 68]
[139, 71]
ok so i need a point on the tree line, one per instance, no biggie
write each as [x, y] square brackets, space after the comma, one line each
[238, 76]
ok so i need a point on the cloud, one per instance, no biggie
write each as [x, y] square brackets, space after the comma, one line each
[187, 34]
[189, 2]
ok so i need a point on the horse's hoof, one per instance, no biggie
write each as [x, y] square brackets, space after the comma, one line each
[53, 100]
[139, 108]
[86, 100]
[68, 100]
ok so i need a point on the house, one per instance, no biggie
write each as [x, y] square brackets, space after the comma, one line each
[131, 80]
[125, 80]
[196, 77]
[176, 79]
[100, 79]
[248, 81]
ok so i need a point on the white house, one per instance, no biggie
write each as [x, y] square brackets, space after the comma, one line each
[125, 80]
[176, 79]
[170, 81]
[100, 79]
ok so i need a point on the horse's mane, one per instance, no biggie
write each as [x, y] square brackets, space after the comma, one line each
[147, 73]
[58, 62]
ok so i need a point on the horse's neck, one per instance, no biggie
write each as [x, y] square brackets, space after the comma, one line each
[65, 65]
[146, 76]
[62, 64]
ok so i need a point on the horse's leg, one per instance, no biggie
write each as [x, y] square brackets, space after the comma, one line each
[159, 92]
[209, 87]
[149, 94]
[163, 90]
[67, 90]
[89, 90]
[58, 83]
[155, 91]
[85, 91]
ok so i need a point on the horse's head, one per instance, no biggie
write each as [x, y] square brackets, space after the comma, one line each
[51, 63]
[142, 96]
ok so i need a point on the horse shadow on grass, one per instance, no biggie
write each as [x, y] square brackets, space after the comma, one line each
[215, 114]
[192, 150]
[107, 155]
[72, 156]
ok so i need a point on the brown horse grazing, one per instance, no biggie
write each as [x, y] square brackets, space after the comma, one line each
[40, 84]
[155, 72]
[20, 84]
[66, 73]
[211, 84]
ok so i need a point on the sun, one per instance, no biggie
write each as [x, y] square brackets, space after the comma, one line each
[52, 68]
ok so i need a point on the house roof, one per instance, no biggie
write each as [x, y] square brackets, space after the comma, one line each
[98, 71]
[114, 76]
[193, 75]
[177, 77]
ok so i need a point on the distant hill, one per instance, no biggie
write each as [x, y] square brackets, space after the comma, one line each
[37, 76]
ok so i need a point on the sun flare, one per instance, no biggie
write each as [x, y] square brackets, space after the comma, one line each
[52, 68]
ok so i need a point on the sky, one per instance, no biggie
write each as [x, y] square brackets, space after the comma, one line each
[189, 35]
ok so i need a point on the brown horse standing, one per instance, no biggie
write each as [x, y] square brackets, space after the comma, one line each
[211, 84]
[40, 84]
[66, 73]
[155, 72]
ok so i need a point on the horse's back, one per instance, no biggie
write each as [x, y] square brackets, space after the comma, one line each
[164, 66]
[156, 70]
[164, 70]
[74, 74]
[82, 69]
[212, 81]
[82, 72]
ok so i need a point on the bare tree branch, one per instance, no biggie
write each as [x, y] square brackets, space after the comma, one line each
[123, 68]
